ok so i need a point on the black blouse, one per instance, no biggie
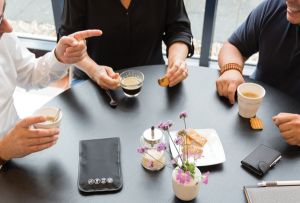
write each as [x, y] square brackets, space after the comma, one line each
[131, 37]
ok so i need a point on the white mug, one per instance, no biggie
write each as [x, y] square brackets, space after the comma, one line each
[250, 96]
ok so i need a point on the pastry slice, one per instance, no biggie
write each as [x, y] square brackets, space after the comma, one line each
[164, 81]
[192, 150]
[256, 123]
[196, 137]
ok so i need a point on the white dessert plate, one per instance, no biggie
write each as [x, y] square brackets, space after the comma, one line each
[213, 152]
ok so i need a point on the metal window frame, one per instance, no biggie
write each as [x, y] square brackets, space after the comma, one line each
[57, 7]
[208, 31]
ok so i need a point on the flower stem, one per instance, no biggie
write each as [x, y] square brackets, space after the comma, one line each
[175, 147]
[186, 148]
[186, 145]
[158, 160]
[187, 153]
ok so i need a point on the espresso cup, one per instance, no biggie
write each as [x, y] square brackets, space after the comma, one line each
[132, 82]
[250, 96]
[53, 114]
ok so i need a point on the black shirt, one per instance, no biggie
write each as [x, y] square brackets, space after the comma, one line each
[268, 32]
[131, 37]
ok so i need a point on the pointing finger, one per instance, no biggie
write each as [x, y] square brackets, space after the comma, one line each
[81, 35]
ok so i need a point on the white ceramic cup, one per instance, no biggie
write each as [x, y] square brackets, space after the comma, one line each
[250, 96]
[51, 113]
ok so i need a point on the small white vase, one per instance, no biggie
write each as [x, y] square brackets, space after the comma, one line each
[186, 191]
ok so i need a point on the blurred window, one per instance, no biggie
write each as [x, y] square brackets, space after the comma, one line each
[31, 17]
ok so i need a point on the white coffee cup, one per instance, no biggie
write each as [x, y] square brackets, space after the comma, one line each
[53, 114]
[250, 96]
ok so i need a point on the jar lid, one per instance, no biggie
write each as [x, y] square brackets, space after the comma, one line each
[152, 136]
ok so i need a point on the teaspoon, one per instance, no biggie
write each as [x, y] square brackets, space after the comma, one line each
[113, 103]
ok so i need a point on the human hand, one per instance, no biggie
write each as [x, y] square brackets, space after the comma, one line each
[289, 127]
[227, 84]
[177, 71]
[72, 49]
[24, 139]
[106, 78]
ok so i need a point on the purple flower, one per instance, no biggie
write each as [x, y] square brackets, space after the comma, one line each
[165, 126]
[179, 176]
[150, 164]
[142, 150]
[183, 114]
[179, 141]
[161, 147]
[183, 177]
[169, 123]
[205, 177]
[160, 125]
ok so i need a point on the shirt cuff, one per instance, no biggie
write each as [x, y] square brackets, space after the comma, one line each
[55, 64]
[186, 40]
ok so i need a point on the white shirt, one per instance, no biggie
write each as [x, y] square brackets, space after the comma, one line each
[19, 67]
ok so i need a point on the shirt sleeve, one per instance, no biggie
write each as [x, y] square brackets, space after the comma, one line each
[246, 37]
[73, 17]
[178, 26]
[35, 72]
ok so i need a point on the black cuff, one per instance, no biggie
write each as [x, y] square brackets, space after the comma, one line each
[186, 40]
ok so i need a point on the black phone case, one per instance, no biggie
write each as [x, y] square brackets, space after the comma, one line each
[99, 165]
[261, 159]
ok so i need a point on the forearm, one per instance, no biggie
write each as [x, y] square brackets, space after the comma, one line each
[37, 73]
[230, 54]
[178, 50]
[3, 156]
[89, 66]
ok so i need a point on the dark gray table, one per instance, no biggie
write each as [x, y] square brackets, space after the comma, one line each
[51, 175]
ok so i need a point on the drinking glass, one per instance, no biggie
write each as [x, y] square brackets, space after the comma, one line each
[132, 82]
